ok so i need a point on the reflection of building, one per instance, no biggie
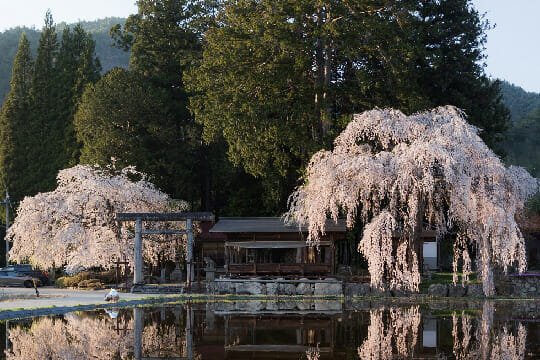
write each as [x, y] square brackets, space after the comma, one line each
[267, 246]
[285, 336]
[219, 331]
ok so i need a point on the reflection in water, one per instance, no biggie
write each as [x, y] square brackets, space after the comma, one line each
[313, 353]
[491, 344]
[221, 331]
[70, 337]
[393, 333]
[401, 326]
[98, 336]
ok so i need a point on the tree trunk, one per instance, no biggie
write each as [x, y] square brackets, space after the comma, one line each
[417, 235]
[205, 175]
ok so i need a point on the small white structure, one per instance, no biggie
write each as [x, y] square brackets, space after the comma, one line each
[112, 296]
[430, 255]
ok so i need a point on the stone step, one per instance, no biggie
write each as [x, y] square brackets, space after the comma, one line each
[158, 289]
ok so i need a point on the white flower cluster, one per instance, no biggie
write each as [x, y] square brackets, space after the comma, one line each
[75, 225]
[401, 173]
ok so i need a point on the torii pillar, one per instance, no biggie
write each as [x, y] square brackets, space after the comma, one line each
[188, 217]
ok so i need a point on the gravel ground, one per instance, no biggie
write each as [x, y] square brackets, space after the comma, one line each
[25, 298]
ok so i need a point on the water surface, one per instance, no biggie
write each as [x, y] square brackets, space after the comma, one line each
[282, 330]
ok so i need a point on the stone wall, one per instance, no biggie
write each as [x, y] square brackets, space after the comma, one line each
[525, 285]
[522, 285]
[442, 290]
[327, 287]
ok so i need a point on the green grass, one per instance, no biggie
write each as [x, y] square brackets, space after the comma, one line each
[459, 313]
[445, 278]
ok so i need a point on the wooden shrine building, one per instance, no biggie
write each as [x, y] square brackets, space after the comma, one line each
[266, 246]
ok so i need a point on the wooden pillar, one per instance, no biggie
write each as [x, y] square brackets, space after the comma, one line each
[226, 262]
[138, 277]
[332, 256]
[190, 272]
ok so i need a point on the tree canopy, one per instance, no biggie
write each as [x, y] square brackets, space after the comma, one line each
[122, 119]
[14, 122]
[399, 172]
[279, 80]
[163, 46]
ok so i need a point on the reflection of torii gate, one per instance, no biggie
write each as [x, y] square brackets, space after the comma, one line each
[138, 315]
[188, 217]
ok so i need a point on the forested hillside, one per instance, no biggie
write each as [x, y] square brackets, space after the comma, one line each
[520, 102]
[522, 145]
[99, 29]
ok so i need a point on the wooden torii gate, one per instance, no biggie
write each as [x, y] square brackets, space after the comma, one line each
[188, 217]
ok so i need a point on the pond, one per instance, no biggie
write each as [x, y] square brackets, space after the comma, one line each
[276, 330]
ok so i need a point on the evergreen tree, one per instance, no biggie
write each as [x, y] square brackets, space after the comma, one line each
[122, 119]
[14, 121]
[163, 46]
[449, 64]
[44, 134]
[278, 80]
[77, 66]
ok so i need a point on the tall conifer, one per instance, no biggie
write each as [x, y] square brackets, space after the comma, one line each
[77, 66]
[42, 155]
[163, 46]
[14, 121]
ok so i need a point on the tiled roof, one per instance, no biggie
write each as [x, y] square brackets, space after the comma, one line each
[267, 225]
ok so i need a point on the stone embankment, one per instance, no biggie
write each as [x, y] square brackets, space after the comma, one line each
[441, 290]
[522, 285]
[326, 287]
[525, 285]
[519, 285]
[436, 290]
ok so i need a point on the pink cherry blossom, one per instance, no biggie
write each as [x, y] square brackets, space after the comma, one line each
[74, 225]
[400, 173]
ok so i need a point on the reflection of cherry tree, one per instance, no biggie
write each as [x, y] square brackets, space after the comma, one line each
[395, 172]
[490, 344]
[393, 333]
[73, 337]
[313, 353]
[401, 328]
[94, 337]
[75, 224]
[507, 346]
[164, 341]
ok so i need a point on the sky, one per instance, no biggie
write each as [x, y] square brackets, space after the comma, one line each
[32, 12]
[513, 46]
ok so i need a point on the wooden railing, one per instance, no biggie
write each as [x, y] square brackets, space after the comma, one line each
[291, 268]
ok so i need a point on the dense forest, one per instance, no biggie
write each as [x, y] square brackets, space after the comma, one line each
[109, 55]
[522, 144]
[223, 103]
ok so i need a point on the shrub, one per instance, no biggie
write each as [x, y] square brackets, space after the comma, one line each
[86, 277]
[91, 283]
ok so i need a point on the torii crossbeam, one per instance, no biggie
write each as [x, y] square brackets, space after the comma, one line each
[188, 217]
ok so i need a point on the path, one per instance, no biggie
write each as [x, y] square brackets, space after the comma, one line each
[51, 296]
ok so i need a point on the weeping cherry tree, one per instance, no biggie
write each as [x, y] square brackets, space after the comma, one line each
[400, 174]
[75, 225]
